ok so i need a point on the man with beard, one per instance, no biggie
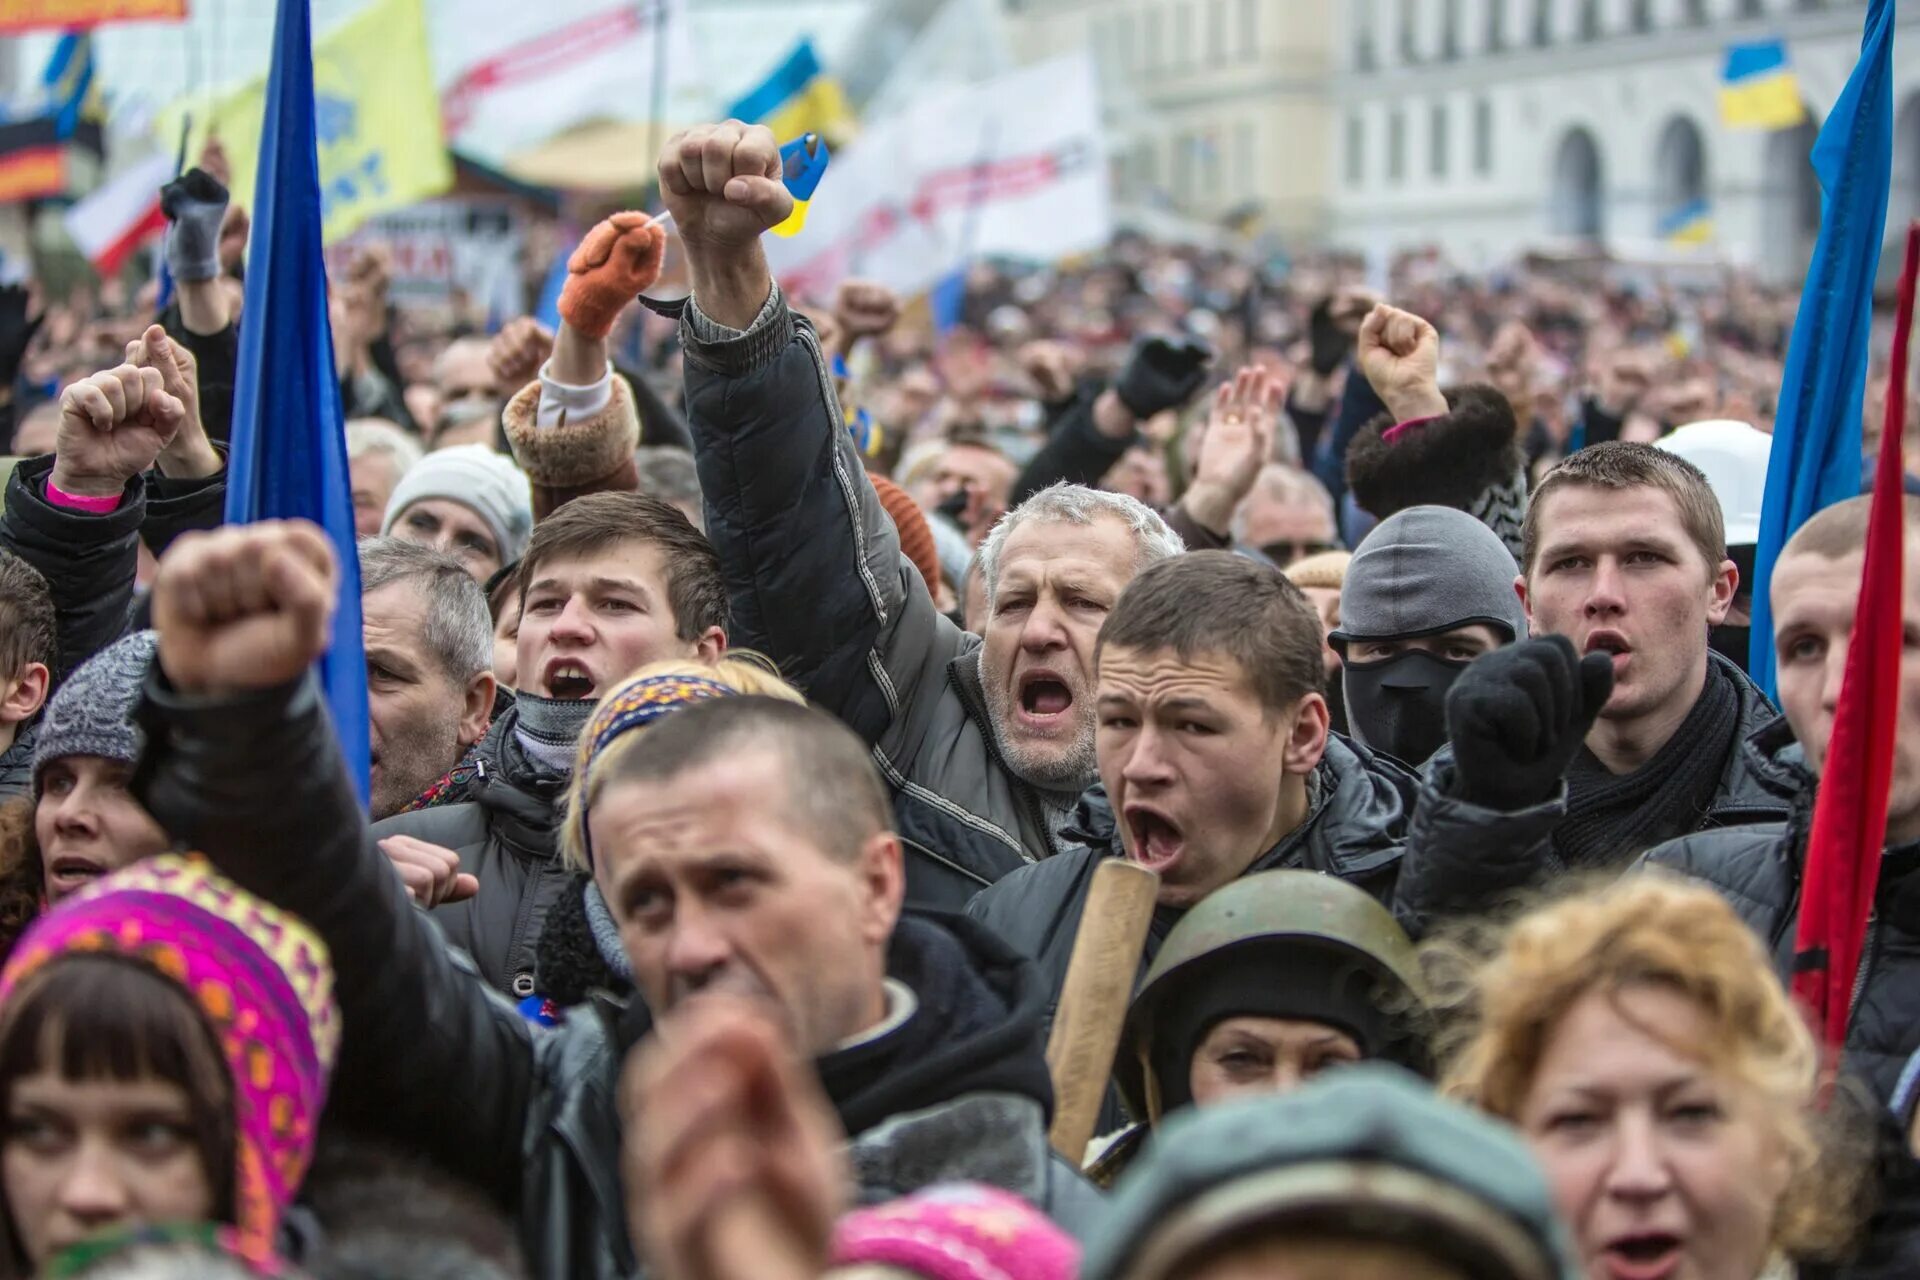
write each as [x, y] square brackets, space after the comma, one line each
[987, 743]
[609, 583]
[430, 687]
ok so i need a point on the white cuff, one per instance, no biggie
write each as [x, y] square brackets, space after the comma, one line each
[561, 403]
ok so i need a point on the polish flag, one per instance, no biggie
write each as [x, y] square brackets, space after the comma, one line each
[113, 221]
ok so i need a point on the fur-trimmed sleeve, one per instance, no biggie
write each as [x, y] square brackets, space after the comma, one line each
[1448, 461]
[591, 454]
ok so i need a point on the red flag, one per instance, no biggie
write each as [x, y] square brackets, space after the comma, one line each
[1850, 813]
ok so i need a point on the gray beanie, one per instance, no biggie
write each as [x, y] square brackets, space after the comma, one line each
[1426, 570]
[475, 477]
[92, 713]
[1367, 1150]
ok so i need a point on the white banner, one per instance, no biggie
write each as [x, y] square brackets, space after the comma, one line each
[441, 247]
[513, 74]
[1010, 167]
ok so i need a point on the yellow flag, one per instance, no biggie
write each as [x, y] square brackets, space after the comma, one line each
[375, 109]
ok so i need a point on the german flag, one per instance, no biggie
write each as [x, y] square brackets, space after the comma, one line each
[33, 160]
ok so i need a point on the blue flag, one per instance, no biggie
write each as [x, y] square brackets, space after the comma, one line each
[289, 446]
[1816, 433]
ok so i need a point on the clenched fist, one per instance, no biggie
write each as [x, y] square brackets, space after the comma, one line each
[1400, 355]
[518, 350]
[190, 455]
[864, 309]
[245, 606]
[112, 427]
[722, 184]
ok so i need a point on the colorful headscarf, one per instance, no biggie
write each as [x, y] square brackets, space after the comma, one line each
[632, 706]
[261, 978]
[958, 1231]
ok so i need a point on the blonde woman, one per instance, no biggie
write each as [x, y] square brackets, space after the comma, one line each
[1638, 1039]
[579, 951]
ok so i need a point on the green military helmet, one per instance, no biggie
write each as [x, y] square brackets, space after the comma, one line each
[1284, 944]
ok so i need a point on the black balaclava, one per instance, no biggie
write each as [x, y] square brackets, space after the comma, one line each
[1732, 641]
[1399, 705]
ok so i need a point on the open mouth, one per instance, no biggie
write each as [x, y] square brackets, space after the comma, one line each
[1609, 642]
[1652, 1256]
[1044, 696]
[1157, 842]
[569, 681]
[66, 874]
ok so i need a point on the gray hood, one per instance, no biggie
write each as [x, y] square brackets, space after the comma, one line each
[1426, 570]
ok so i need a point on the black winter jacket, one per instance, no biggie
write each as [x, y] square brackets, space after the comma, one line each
[1464, 858]
[433, 1060]
[506, 830]
[815, 580]
[89, 561]
[1354, 830]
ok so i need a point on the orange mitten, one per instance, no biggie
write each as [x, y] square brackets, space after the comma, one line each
[619, 259]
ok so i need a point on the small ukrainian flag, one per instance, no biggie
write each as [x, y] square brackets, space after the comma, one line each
[802, 162]
[798, 97]
[1691, 223]
[1758, 88]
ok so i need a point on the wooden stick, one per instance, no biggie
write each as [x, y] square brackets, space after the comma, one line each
[1093, 1002]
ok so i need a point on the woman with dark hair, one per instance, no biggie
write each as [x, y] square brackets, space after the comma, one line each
[165, 1044]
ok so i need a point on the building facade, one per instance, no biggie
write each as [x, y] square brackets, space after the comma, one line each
[1212, 106]
[1486, 126]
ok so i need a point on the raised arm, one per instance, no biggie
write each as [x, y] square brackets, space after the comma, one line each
[242, 765]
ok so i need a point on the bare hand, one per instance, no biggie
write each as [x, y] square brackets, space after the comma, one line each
[518, 351]
[1051, 366]
[113, 426]
[1399, 353]
[213, 158]
[430, 872]
[1624, 378]
[1238, 441]
[732, 1159]
[245, 606]
[865, 309]
[722, 185]
[191, 455]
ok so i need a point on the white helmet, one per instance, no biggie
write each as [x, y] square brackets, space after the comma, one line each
[1733, 456]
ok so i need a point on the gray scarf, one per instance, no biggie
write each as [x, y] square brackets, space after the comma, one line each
[548, 729]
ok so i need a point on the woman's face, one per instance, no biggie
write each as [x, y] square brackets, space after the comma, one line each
[1250, 1055]
[1663, 1169]
[82, 1156]
[88, 824]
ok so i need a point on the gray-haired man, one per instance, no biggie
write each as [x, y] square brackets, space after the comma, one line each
[430, 684]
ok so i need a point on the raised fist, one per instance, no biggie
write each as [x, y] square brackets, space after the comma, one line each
[518, 351]
[722, 185]
[865, 309]
[1051, 367]
[189, 454]
[244, 606]
[1516, 717]
[1399, 353]
[113, 426]
[1162, 373]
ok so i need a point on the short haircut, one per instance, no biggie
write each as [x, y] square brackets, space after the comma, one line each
[1220, 602]
[379, 435]
[668, 473]
[459, 630]
[1076, 504]
[696, 592]
[834, 793]
[1618, 465]
[1841, 529]
[1291, 486]
[26, 616]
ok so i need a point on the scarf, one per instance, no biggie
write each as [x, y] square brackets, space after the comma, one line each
[548, 728]
[1611, 818]
[453, 784]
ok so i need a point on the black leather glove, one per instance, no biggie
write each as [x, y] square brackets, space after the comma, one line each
[1517, 716]
[1329, 342]
[195, 203]
[1162, 373]
[16, 330]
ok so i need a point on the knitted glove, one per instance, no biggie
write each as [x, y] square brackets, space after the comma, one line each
[1329, 342]
[16, 330]
[1162, 373]
[1517, 716]
[619, 260]
[194, 203]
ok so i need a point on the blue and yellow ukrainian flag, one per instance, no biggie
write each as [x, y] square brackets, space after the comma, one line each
[1691, 223]
[72, 93]
[1758, 88]
[802, 162]
[798, 98]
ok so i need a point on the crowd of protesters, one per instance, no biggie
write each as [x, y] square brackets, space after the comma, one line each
[749, 722]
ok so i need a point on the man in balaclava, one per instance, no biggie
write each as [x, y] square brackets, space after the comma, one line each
[1429, 590]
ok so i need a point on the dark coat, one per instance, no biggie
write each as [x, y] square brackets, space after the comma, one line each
[1353, 830]
[1463, 858]
[16, 763]
[506, 831]
[433, 1060]
[816, 581]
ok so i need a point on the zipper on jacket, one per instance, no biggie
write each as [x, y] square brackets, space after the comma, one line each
[1868, 948]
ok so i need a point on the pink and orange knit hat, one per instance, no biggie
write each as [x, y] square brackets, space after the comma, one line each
[261, 978]
[958, 1231]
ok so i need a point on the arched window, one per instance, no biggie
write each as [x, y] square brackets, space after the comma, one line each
[1578, 206]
